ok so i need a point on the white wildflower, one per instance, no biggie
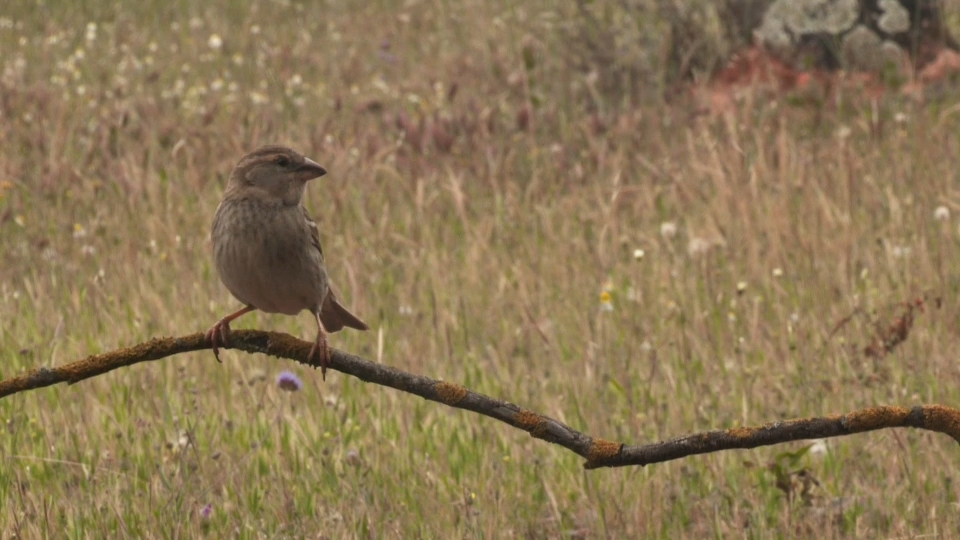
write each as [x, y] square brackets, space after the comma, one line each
[698, 246]
[901, 252]
[258, 98]
[818, 448]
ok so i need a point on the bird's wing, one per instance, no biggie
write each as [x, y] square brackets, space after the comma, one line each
[314, 231]
[332, 312]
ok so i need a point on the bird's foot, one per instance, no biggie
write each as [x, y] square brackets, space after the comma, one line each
[219, 335]
[322, 350]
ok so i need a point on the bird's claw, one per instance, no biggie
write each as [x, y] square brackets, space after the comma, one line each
[217, 335]
[321, 348]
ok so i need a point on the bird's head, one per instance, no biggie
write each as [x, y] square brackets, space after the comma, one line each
[278, 171]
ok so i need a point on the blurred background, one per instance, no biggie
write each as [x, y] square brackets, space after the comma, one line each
[644, 219]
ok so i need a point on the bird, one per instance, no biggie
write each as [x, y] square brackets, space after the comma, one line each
[266, 247]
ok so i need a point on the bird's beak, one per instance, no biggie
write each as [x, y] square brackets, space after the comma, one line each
[310, 170]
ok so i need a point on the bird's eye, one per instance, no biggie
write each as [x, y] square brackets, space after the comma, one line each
[283, 161]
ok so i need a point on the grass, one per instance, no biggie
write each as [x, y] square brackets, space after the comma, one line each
[476, 208]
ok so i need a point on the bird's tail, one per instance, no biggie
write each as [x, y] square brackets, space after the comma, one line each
[335, 316]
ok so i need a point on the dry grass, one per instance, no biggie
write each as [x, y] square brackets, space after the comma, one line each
[475, 211]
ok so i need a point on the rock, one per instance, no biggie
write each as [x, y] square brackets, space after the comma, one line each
[894, 18]
[787, 22]
[873, 35]
[863, 50]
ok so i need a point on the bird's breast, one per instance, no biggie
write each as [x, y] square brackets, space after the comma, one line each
[264, 256]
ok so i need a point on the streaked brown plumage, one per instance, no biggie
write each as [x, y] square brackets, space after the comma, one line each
[266, 248]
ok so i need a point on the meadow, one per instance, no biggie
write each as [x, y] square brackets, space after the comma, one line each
[503, 218]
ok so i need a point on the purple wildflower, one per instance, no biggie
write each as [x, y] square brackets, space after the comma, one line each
[288, 381]
[384, 52]
[206, 511]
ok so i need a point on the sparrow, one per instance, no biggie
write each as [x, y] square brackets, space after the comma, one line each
[266, 247]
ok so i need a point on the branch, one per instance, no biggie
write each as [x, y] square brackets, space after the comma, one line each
[596, 451]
